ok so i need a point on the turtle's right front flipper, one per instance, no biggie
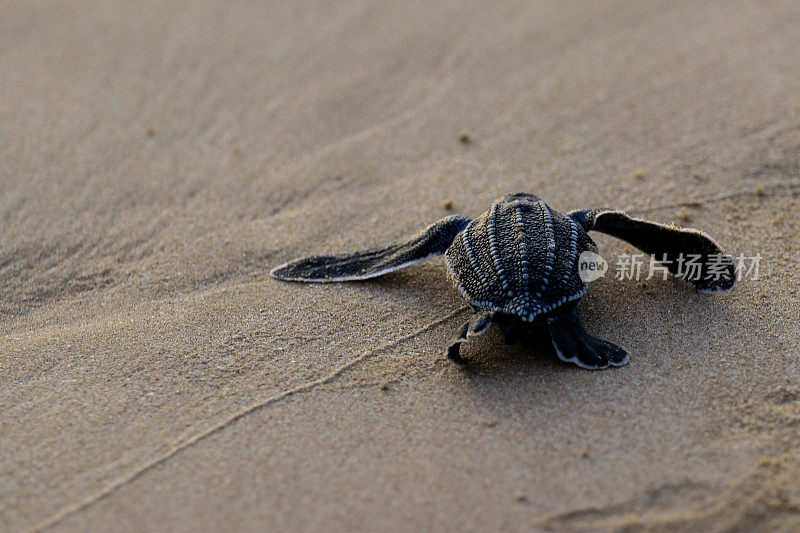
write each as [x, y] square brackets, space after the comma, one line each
[431, 241]
[688, 253]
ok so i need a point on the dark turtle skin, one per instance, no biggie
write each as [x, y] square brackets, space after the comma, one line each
[517, 263]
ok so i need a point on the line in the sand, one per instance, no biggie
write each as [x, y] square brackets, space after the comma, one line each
[176, 448]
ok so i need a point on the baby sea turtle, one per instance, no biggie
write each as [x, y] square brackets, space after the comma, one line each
[519, 261]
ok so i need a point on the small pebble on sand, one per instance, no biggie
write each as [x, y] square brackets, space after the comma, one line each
[638, 174]
[464, 138]
[684, 215]
[447, 204]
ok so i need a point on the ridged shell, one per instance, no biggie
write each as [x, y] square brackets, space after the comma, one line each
[520, 257]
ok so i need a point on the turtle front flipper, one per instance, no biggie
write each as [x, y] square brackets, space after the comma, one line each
[429, 242]
[688, 253]
[574, 345]
[477, 324]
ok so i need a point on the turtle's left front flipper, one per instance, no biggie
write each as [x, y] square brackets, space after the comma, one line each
[688, 253]
[429, 242]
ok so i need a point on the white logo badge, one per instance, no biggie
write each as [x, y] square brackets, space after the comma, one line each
[591, 266]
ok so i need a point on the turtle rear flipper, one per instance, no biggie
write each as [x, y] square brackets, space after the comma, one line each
[429, 242]
[477, 324]
[688, 253]
[574, 345]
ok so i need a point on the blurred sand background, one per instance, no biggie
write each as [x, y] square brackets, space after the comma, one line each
[156, 160]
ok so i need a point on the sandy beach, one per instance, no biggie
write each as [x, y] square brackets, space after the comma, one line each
[157, 160]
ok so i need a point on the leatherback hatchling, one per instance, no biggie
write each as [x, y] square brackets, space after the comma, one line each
[518, 262]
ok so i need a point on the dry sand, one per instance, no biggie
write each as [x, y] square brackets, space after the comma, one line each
[157, 160]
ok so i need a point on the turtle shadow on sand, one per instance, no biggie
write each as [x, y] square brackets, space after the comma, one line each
[526, 385]
[615, 309]
[419, 286]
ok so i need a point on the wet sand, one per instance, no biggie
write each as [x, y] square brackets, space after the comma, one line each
[157, 161]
